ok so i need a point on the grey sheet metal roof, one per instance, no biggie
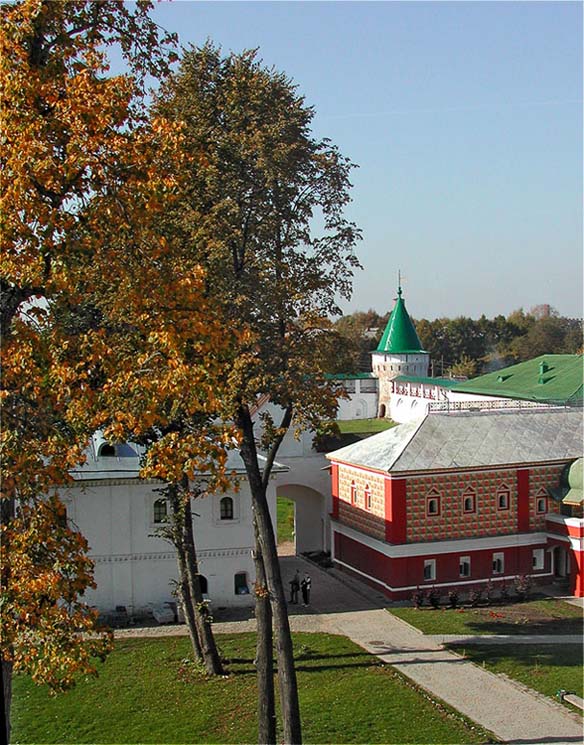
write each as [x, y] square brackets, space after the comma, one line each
[126, 465]
[470, 439]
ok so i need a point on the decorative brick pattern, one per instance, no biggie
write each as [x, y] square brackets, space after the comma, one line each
[370, 521]
[453, 522]
[541, 479]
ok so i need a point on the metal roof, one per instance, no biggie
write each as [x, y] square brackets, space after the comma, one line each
[126, 465]
[400, 335]
[470, 439]
[550, 378]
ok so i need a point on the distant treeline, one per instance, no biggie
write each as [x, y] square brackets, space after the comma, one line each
[464, 346]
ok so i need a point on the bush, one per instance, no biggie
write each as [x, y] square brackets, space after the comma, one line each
[434, 598]
[475, 597]
[504, 592]
[522, 586]
[418, 597]
[489, 592]
[453, 598]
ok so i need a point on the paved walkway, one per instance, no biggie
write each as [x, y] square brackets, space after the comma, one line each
[341, 605]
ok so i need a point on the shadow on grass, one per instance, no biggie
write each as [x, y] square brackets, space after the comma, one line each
[527, 626]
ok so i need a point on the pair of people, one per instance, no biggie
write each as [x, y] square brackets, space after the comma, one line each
[297, 585]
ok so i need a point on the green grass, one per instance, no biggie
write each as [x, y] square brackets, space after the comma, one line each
[543, 667]
[146, 694]
[285, 517]
[364, 426]
[547, 616]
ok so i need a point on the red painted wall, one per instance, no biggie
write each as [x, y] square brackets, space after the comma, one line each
[523, 504]
[335, 490]
[395, 511]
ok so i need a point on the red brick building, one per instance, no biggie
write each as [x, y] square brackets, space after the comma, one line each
[454, 500]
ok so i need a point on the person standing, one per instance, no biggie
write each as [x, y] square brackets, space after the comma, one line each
[294, 588]
[305, 586]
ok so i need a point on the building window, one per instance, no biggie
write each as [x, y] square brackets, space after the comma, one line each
[106, 450]
[349, 386]
[538, 559]
[498, 563]
[160, 511]
[469, 500]
[240, 582]
[464, 566]
[433, 503]
[367, 497]
[503, 498]
[226, 508]
[429, 570]
[353, 493]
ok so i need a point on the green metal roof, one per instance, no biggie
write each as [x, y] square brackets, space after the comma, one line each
[550, 378]
[442, 382]
[400, 335]
[349, 376]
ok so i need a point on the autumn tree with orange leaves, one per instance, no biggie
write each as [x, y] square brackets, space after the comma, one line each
[81, 170]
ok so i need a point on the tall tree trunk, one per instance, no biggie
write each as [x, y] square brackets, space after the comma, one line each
[284, 649]
[264, 652]
[202, 618]
[7, 695]
[175, 534]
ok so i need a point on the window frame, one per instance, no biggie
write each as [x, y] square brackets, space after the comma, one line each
[431, 565]
[229, 515]
[469, 493]
[464, 561]
[353, 492]
[433, 497]
[503, 491]
[538, 559]
[498, 559]
[157, 519]
[244, 586]
[367, 497]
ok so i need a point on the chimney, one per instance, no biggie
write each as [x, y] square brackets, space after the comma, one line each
[543, 368]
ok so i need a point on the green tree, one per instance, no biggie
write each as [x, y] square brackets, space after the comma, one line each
[257, 180]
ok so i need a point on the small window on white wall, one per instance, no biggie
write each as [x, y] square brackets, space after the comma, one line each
[159, 511]
[241, 585]
[226, 508]
[429, 570]
[538, 559]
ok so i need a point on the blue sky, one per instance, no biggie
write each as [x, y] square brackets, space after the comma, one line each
[466, 121]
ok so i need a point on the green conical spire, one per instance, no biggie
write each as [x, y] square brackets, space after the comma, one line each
[400, 336]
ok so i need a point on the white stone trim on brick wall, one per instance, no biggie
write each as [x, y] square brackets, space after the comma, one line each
[459, 583]
[431, 548]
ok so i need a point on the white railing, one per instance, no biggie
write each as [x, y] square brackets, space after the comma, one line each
[450, 406]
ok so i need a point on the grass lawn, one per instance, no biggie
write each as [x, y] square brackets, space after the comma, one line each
[544, 667]
[548, 616]
[147, 693]
[285, 516]
[364, 426]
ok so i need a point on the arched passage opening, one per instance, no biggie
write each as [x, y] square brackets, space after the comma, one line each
[310, 517]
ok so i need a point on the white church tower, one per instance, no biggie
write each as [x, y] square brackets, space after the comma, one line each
[399, 353]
